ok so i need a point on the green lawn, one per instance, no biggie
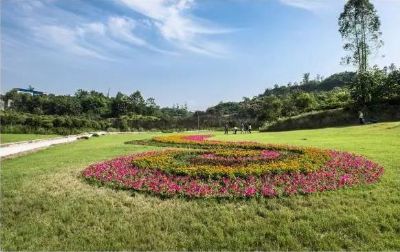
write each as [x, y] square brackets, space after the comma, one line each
[11, 138]
[46, 206]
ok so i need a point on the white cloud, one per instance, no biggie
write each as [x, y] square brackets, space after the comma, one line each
[92, 28]
[30, 5]
[79, 40]
[62, 30]
[168, 21]
[121, 28]
[175, 24]
[66, 38]
[312, 5]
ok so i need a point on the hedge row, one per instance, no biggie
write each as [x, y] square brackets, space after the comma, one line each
[15, 122]
[335, 117]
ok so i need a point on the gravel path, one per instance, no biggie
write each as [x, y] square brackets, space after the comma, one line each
[17, 148]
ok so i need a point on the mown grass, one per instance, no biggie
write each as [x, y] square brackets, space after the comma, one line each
[11, 138]
[46, 206]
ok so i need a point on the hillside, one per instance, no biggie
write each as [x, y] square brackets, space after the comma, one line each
[340, 80]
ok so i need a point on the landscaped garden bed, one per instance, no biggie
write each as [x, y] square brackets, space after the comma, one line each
[207, 168]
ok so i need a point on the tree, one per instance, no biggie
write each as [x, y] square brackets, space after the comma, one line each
[306, 78]
[151, 106]
[305, 101]
[388, 88]
[392, 67]
[119, 105]
[137, 102]
[359, 26]
[271, 108]
[362, 88]
[93, 103]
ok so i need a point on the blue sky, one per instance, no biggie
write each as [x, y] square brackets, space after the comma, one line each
[177, 51]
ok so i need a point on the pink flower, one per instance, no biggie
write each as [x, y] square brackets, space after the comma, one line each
[343, 169]
[270, 154]
[197, 138]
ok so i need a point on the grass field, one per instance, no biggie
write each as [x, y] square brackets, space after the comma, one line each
[46, 206]
[11, 138]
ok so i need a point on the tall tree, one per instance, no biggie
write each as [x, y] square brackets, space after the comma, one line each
[359, 26]
[306, 78]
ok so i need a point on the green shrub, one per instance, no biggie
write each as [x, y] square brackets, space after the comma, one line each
[59, 122]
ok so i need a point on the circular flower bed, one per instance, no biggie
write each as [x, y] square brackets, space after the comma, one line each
[206, 168]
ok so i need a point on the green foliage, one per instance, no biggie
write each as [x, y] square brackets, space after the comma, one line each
[363, 87]
[359, 25]
[376, 86]
[123, 112]
[90, 110]
[14, 122]
[342, 90]
[284, 101]
[271, 108]
[305, 102]
[94, 105]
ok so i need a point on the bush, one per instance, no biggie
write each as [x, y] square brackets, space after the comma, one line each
[13, 122]
[59, 122]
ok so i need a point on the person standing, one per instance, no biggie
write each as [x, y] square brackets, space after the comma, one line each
[361, 117]
[242, 128]
[249, 128]
[235, 129]
[226, 129]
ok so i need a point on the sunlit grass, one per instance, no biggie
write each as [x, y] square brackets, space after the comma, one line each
[45, 205]
[11, 138]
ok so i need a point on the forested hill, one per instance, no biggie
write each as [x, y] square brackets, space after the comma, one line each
[342, 79]
[290, 99]
[84, 110]
[340, 90]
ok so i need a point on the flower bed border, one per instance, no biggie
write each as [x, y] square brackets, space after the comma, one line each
[339, 172]
[343, 169]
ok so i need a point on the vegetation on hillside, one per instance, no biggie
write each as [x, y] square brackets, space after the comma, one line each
[65, 114]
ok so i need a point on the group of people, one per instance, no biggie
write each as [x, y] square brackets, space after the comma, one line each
[244, 128]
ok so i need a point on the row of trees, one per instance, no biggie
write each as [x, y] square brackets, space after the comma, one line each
[133, 112]
[41, 113]
[17, 122]
[91, 104]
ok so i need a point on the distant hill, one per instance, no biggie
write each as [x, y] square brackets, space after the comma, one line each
[335, 80]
